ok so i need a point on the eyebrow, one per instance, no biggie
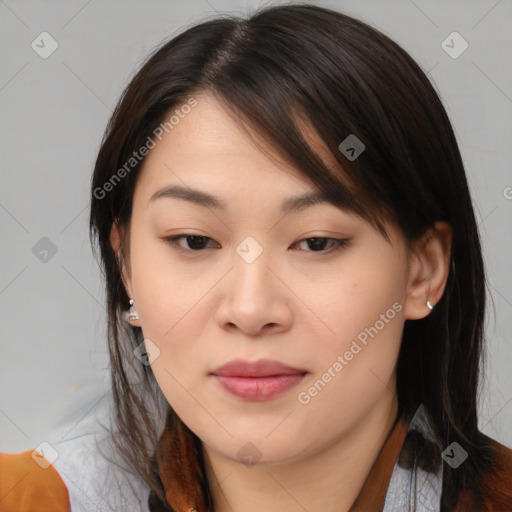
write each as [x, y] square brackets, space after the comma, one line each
[205, 199]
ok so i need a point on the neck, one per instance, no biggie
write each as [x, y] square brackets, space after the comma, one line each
[329, 480]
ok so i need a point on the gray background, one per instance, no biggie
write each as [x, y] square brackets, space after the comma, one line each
[53, 113]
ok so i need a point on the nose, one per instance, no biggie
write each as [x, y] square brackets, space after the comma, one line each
[255, 298]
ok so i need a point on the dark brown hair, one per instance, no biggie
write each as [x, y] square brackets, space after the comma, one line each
[344, 77]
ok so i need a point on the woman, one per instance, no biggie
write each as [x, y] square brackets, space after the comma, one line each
[281, 207]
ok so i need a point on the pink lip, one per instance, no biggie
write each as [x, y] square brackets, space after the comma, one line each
[258, 380]
[260, 368]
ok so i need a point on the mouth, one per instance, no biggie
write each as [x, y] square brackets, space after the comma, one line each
[258, 380]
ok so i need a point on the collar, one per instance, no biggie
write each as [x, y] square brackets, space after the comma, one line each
[398, 481]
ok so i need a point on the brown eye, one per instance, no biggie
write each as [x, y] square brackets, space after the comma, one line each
[317, 244]
[195, 243]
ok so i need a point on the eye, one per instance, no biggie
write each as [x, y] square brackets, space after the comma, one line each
[319, 242]
[197, 243]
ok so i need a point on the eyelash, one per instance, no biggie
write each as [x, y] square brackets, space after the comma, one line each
[338, 243]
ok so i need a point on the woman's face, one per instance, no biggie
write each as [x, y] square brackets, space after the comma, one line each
[251, 286]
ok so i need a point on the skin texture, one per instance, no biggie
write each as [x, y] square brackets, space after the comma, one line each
[295, 303]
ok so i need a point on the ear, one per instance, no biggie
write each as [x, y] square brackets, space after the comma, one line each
[116, 234]
[429, 267]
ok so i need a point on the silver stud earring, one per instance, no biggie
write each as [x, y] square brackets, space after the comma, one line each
[131, 314]
[429, 306]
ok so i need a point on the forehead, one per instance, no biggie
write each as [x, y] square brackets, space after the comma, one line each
[207, 145]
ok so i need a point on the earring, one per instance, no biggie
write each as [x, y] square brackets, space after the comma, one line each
[429, 306]
[131, 315]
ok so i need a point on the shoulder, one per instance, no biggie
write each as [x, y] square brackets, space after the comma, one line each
[496, 484]
[28, 482]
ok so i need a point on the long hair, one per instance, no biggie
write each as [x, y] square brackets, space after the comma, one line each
[281, 65]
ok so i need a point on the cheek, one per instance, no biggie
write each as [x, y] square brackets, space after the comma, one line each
[365, 320]
[365, 288]
[167, 292]
[168, 300]
[354, 368]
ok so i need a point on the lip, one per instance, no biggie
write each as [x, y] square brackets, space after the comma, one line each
[260, 368]
[257, 380]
